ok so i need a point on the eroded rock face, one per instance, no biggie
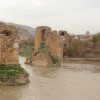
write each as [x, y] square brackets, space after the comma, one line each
[9, 44]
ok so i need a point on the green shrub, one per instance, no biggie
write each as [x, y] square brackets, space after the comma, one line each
[96, 38]
[54, 60]
[71, 51]
[43, 47]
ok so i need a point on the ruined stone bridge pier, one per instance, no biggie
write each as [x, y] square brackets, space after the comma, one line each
[9, 44]
[49, 46]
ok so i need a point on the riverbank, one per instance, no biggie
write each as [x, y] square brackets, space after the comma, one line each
[13, 75]
[81, 59]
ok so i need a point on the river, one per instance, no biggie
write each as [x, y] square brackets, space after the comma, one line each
[72, 81]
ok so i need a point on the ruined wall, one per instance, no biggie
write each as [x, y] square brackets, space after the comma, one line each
[50, 46]
[51, 40]
[9, 44]
[42, 35]
[65, 37]
[55, 45]
[42, 59]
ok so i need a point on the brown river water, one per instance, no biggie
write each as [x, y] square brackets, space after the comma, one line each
[72, 81]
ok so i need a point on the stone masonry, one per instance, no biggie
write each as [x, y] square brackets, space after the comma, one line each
[65, 39]
[9, 44]
[54, 46]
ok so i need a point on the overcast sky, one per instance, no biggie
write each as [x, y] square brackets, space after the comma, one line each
[74, 16]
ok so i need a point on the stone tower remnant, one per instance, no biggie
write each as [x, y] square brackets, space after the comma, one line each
[9, 44]
[49, 46]
[65, 39]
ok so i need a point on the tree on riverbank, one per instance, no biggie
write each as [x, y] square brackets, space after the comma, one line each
[96, 38]
[26, 48]
[79, 48]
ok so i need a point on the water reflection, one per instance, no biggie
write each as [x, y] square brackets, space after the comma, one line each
[72, 81]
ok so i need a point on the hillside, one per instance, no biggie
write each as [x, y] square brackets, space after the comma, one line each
[25, 32]
[24, 27]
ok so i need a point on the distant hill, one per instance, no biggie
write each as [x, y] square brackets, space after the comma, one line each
[25, 32]
[24, 27]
